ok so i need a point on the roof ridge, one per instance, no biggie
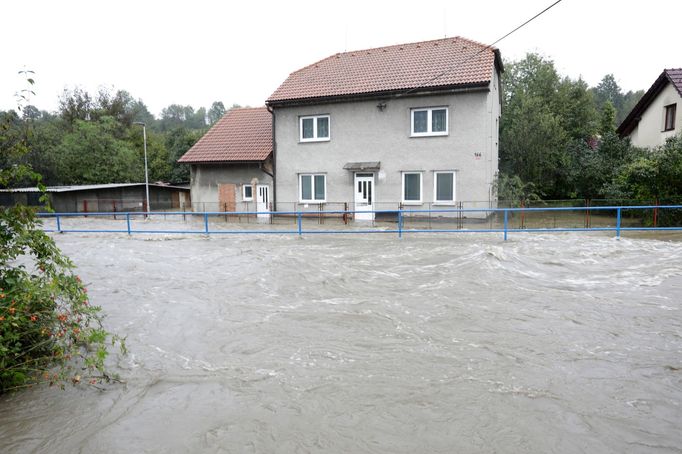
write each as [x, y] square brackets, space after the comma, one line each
[246, 108]
[428, 41]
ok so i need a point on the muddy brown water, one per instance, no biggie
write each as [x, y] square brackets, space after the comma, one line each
[566, 343]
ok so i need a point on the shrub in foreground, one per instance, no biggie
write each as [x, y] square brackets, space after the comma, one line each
[49, 331]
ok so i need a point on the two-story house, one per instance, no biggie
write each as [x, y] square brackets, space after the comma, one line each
[412, 124]
[655, 118]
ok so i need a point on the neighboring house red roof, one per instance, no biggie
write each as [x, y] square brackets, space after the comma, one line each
[441, 63]
[673, 76]
[243, 134]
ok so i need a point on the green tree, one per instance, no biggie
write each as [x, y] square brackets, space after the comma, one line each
[607, 121]
[157, 154]
[93, 153]
[533, 147]
[178, 142]
[75, 104]
[176, 115]
[629, 102]
[216, 112]
[47, 133]
[514, 191]
[140, 112]
[574, 107]
[608, 90]
[651, 174]
[533, 133]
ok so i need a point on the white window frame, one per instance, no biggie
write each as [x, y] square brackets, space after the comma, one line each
[314, 138]
[435, 187]
[312, 188]
[244, 197]
[421, 188]
[429, 124]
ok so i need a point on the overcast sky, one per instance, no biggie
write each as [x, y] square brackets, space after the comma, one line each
[200, 51]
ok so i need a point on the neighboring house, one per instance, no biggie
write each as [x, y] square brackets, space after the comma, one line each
[412, 125]
[655, 117]
[101, 197]
[231, 165]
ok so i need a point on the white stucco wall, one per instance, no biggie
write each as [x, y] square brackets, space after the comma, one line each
[360, 132]
[649, 131]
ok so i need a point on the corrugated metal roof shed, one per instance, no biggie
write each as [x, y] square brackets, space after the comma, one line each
[91, 187]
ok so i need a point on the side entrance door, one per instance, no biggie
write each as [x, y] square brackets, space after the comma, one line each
[364, 196]
[263, 201]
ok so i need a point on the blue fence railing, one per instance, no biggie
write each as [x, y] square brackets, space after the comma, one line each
[398, 218]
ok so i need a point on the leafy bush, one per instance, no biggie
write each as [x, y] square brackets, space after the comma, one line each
[49, 332]
[514, 191]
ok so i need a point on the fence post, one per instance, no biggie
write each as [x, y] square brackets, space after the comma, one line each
[618, 223]
[59, 224]
[128, 222]
[206, 222]
[506, 223]
[299, 221]
[400, 223]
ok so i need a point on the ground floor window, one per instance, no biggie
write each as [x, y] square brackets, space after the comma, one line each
[312, 188]
[247, 192]
[444, 187]
[412, 187]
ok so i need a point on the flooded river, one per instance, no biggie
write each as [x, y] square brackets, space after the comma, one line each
[566, 343]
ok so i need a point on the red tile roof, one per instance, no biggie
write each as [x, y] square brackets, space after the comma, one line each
[673, 76]
[243, 134]
[439, 63]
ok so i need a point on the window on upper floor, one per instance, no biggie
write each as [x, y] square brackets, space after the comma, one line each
[314, 128]
[412, 187]
[669, 122]
[431, 121]
[312, 188]
[444, 187]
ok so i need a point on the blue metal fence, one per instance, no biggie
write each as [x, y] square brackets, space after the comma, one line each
[399, 215]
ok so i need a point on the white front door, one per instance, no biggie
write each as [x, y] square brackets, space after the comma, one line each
[263, 200]
[364, 196]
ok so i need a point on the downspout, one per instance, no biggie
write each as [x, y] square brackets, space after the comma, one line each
[274, 161]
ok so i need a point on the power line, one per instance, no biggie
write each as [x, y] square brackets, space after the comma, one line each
[438, 76]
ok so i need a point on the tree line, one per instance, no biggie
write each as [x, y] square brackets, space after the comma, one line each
[93, 139]
[558, 140]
